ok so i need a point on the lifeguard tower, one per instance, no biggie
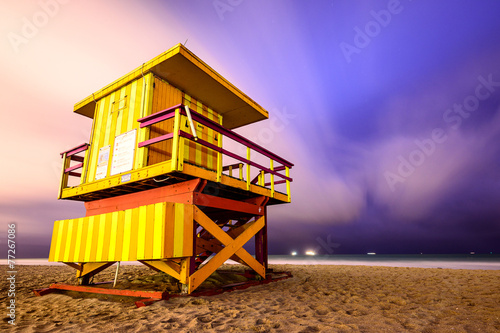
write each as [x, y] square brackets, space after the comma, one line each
[160, 185]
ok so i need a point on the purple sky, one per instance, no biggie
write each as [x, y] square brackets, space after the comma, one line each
[389, 110]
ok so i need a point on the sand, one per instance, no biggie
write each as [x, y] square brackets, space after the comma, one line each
[317, 299]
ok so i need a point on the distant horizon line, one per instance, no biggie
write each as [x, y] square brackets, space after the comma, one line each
[371, 254]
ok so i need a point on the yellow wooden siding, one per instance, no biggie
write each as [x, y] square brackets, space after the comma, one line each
[157, 231]
[117, 113]
[194, 153]
[164, 96]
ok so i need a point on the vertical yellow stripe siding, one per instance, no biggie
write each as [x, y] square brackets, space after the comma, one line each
[78, 240]
[127, 230]
[100, 135]
[56, 239]
[62, 244]
[142, 132]
[148, 245]
[90, 231]
[141, 235]
[110, 115]
[120, 110]
[100, 237]
[119, 236]
[112, 237]
[98, 219]
[211, 138]
[131, 109]
[85, 231]
[178, 229]
[107, 236]
[53, 241]
[95, 142]
[199, 109]
[126, 109]
[187, 246]
[158, 230]
[69, 236]
[113, 119]
[134, 230]
[138, 100]
[145, 110]
[169, 230]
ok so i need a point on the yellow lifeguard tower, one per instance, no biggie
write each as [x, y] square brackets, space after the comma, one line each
[153, 178]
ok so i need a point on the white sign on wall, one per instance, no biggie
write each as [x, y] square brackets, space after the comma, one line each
[123, 153]
[102, 163]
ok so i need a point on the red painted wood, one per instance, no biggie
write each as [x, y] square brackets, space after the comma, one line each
[159, 113]
[156, 119]
[74, 167]
[201, 199]
[106, 291]
[180, 192]
[276, 182]
[155, 140]
[76, 150]
[77, 158]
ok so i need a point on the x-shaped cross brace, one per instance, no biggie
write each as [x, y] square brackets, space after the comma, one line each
[231, 247]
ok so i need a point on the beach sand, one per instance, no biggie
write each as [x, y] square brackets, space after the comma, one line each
[319, 298]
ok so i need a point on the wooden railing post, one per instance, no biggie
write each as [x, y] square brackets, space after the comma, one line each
[248, 169]
[64, 176]
[85, 167]
[219, 158]
[271, 167]
[287, 173]
[175, 141]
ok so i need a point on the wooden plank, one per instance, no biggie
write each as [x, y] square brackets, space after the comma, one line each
[159, 231]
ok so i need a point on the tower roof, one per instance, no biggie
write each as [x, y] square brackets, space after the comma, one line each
[184, 70]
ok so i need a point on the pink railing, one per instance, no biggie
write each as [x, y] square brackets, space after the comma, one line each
[69, 156]
[273, 170]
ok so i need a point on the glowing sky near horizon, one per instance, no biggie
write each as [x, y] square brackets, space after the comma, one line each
[371, 172]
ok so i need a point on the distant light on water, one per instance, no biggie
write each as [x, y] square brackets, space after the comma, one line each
[310, 253]
[294, 253]
[371, 253]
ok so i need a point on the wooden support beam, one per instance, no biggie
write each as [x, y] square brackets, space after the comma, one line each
[232, 247]
[76, 266]
[89, 269]
[185, 275]
[214, 246]
[167, 267]
[261, 244]
[201, 199]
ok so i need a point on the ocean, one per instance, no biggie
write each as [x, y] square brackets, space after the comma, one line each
[452, 261]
